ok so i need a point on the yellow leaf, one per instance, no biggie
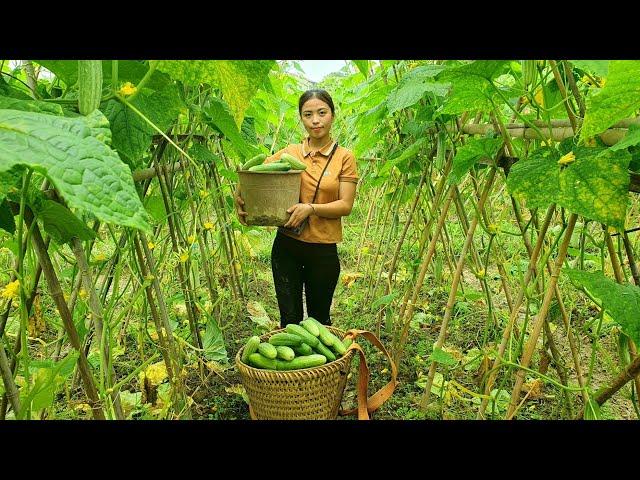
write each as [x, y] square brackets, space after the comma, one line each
[539, 97]
[99, 257]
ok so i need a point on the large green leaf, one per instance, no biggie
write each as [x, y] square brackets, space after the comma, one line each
[622, 302]
[238, 80]
[471, 85]
[30, 105]
[472, 152]
[595, 185]
[49, 377]
[363, 66]
[132, 136]
[87, 173]
[65, 70]
[409, 152]
[599, 67]
[438, 355]
[9, 180]
[411, 90]
[60, 223]
[10, 91]
[217, 114]
[618, 99]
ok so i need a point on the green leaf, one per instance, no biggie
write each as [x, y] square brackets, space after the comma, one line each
[618, 99]
[155, 206]
[9, 180]
[30, 106]
[65, 70]
[133, 71]
[622, 302]
[86, 172]
[471, 85]
[595, 185]
[7, 222]
[363, 66]
[384, 300]
[213, 342]
[238, 80]
[217, 115]
[410, 91]
[471, 153]
[61, 223]
[440, 356]
[599, 67]
[409, 152]
[631, 139]
[132, 136]
[10, 91]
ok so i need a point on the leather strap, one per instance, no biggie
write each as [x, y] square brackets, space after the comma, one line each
[366, 405]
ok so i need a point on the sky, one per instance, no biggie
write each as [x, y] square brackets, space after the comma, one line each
[316, 70]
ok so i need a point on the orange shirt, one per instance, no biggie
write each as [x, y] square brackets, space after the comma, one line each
[341, 169]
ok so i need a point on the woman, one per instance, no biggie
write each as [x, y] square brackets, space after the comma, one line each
[310, 258]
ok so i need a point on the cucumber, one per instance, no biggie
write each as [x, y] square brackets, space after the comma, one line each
[250, 347]
[252, 162]
[303, 349]
[306, 361]
[287, 339]
[322, 349]
[339, 347]
[326, 336]
[311, 327]
[347, 341]
[271, 167]
[89, 85]
[302, 333]
[285, 353]
[260, 361]
[268, 350]
[293, 161]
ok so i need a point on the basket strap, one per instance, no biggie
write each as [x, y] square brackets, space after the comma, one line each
[366, 405]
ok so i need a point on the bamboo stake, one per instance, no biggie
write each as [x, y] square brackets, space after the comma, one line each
[541, 317]
[56, 294]
[454, 287]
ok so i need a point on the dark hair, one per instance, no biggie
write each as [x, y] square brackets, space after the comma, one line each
[319, 94]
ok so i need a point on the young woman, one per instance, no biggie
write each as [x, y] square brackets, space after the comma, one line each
[310, 259]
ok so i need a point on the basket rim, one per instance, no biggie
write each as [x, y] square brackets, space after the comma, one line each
[251, 369]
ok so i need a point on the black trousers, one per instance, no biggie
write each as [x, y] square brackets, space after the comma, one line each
[315, 266]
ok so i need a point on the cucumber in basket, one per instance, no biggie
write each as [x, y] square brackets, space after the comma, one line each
[305, 361]
[250, 347]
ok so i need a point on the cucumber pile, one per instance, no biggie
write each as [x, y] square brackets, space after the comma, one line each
[285, 163]
[307, 345]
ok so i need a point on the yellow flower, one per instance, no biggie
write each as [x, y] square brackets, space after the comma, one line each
[11, 290]
[100, 257]
[127, 89]
[191, 239]
[492, 228]
[204, 194]
[481, 273]
[602, 82]
[208, 226]
[566, 159]
[156, 373]
[184, 256]
[539, 97]
[83, 294]
[151, 245]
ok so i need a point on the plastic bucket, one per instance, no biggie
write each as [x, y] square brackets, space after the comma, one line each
[268, 195]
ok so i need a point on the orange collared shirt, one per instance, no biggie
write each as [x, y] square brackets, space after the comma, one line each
[341, 169]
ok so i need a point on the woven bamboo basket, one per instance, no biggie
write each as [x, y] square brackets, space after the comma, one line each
[307, 394]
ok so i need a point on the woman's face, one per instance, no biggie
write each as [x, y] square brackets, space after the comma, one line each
[317, 118]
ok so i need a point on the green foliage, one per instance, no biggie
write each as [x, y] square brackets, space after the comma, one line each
[30, 106]
[238, 80]
[595, 185]
[218, 115]
[472, 152]
[363, 66]
[472, 89]
[622, 302]
[631, 139]
[86, 172]
[618, 99]
[599, 67]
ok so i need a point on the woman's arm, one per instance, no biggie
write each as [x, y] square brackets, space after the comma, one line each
[336, 209]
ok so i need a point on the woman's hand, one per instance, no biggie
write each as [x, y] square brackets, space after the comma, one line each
[240, 208]
[298, 212]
